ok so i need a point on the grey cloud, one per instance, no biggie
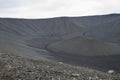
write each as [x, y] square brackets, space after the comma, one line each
[49, 8]
[10, 3]
[56, 5]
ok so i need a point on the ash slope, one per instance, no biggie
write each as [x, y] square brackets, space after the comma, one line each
[33, 38]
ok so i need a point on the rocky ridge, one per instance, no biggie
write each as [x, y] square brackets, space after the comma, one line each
[13, 67]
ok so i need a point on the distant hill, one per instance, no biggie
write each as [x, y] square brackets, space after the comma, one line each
[65, 39]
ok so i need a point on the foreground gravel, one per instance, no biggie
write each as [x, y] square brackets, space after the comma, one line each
[14, 67]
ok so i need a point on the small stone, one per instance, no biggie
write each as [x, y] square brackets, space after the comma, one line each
[60, 62]
[75, 75]
[110, 71]
[1, 53]
[47, 66]
[34, 67]
[90, 78]
[9, 66]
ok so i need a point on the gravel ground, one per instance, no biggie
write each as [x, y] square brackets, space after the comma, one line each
[14, 67]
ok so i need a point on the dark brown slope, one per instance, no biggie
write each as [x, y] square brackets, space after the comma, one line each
[85, 47]
[87, 52]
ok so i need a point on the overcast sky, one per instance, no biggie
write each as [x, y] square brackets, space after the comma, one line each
[57, 8]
